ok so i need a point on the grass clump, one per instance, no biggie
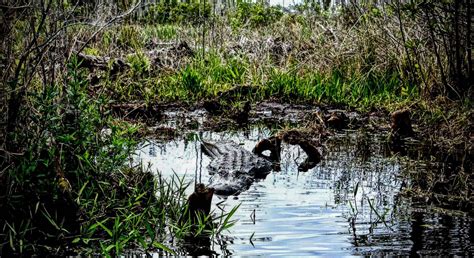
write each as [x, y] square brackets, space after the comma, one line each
[129, 36]
[139, 63]
[160, 32]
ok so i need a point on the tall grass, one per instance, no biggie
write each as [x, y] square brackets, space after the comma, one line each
[205, 78]
[344, 57]
[73, 188]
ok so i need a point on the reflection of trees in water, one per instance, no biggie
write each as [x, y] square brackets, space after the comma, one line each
[378, 215]
[441, 234]
[366, 183]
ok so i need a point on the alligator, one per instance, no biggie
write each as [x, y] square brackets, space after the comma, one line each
[233, 169]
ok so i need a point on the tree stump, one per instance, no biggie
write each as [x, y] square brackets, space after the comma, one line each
[401, 123]
[199, 202]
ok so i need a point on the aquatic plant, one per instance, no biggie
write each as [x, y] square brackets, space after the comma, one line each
[64, 160]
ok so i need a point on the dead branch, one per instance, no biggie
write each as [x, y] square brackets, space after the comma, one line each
[110, 22]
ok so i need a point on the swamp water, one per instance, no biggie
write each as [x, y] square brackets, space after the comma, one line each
[349, 204]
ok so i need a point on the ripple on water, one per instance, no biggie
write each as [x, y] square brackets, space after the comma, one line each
[318, 212]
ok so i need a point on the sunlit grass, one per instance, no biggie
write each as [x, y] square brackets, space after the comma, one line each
[204, 78]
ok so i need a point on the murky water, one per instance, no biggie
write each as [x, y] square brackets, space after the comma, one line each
[349, 204]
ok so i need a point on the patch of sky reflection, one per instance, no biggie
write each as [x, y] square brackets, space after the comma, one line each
[317, 212]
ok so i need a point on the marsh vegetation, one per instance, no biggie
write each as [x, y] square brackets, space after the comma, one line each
[87, 86]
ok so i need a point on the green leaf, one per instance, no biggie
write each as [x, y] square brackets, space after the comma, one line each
[163, 247]
[106, 229]
[108, 248]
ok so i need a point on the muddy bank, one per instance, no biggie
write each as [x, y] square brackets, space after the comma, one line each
[182, 117]
[450, 136]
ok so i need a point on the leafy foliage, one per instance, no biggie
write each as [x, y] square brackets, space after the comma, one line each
[75, 181]
[254, 14]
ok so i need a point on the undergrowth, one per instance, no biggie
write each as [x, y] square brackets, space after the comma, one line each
[74, 189]
[311, 57]
[205, 78]
[67, 180]
[360, 56]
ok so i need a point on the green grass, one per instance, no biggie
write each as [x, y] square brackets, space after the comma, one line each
[335, 57]
[159, 32]
[204, 78]
[73, 184]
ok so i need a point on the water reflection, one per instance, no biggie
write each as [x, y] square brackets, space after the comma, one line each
[349, 204]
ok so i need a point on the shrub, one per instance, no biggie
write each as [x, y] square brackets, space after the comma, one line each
[73, 179]
[254, 14]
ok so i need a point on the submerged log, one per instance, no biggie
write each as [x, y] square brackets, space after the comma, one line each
[102, 63]
[314, 157]
[292, 137]
[272, 144]
[298, 137]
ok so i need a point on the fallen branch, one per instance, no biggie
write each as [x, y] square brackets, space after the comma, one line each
[102, 63]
